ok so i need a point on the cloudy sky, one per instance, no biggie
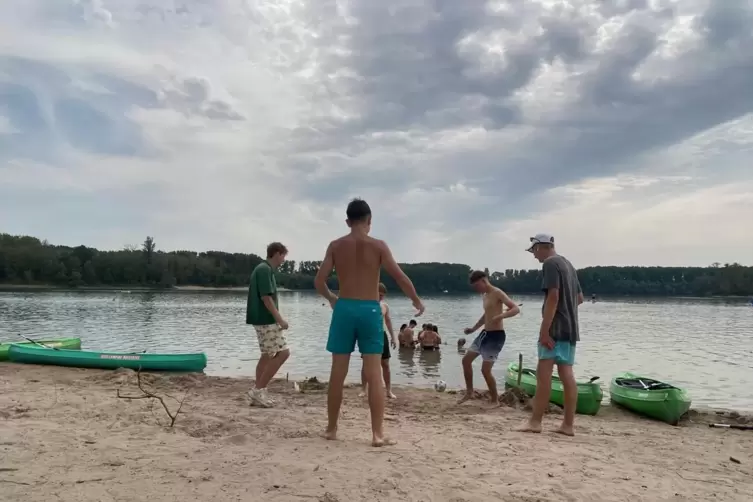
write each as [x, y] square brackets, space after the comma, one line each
[623, 127]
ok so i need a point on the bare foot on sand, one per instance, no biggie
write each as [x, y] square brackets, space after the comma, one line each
[362, 393]
[466, 397]
[390, 395]
[330, 435]
[379, 442]
[566, 430]
[529, 427]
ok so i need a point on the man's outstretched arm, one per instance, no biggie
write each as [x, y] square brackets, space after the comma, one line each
[402, 280]
[320, 282]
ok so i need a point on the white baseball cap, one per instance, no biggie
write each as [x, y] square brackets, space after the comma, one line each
[540, 239]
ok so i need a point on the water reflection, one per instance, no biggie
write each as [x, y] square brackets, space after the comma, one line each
[407, 360]
[428, 361]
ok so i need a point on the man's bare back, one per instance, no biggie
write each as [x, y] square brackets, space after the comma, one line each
[406, 338]
[429, 339]
[357, 316]
[357, 260]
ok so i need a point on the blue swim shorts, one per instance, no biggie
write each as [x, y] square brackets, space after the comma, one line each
[489, 344]
[562, 353]
[356, 321]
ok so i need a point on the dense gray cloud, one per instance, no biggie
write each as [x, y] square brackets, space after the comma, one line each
[455, 118]
[407, 69]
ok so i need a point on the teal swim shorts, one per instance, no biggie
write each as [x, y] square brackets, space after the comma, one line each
[562, 353]
[356, 321]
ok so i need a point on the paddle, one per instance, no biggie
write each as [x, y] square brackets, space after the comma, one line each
[37, 343]
[645, 387]
[733, 426]
[593, 379]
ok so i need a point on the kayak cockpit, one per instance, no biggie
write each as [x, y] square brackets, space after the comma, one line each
[643, 384]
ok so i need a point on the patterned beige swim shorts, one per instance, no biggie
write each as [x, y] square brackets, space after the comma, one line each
[271, 339]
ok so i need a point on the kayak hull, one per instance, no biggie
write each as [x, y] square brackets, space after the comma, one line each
[60, 343]
[108, 360]
[590, 394]
[661, 401]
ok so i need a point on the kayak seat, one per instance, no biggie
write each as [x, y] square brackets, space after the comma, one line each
[634, 383]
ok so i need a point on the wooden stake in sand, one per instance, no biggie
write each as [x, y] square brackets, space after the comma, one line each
[151, 395]
[520, 367]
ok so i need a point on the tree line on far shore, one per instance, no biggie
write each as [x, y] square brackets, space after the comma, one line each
[28, 260]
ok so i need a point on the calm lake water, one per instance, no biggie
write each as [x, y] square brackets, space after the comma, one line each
[703, 345]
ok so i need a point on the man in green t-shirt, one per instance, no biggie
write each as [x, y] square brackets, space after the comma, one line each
[262, 312]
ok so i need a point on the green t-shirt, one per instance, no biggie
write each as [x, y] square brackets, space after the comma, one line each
[263, 284]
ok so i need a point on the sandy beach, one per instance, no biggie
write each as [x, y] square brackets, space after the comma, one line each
[66, 436]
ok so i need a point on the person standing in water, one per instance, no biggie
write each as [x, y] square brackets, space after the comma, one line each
[357, 260]
[262, 312]
[488, 344]
[430, 339]
[558, 334]
[388, 342]
[405, 338]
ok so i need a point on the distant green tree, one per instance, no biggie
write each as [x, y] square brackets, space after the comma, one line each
[26, 259]
[89, 273]
[148, 248]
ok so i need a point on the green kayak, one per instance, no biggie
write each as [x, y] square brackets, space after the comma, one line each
[650, 397]
[60, 343]
[107, 360]
[589, 393]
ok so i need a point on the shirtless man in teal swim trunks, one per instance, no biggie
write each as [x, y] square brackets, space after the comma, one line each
[356, 313]
[558, 334]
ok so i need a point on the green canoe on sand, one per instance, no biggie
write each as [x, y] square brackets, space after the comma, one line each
[60, 343]
[649, 397]
[589, 393]
[33, 354]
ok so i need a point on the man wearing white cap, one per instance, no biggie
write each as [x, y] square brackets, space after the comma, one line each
[558, 334]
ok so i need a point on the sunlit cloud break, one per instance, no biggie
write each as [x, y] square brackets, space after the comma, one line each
[623, 127]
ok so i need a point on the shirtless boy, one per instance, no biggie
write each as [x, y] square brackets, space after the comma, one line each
[405, 338]
[356, 314]
[488, 344]
[391, 342]
[430, 339]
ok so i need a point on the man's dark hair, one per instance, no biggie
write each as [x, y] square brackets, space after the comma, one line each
[476, 276]
[276, 247]
[413, 322]
[403, 327]
[358, 210]
[435, 328]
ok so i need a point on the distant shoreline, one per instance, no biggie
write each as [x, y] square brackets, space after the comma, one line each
[195, 288]
[125, 287]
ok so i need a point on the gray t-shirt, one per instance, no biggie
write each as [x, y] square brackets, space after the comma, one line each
[559, 273]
